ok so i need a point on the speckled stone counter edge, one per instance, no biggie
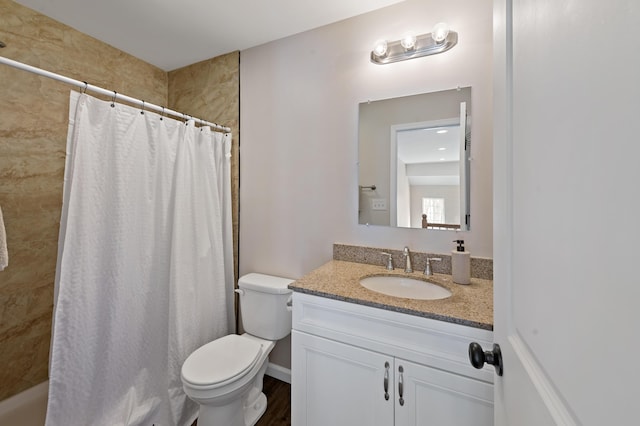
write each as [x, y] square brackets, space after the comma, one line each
[430, 315]
[470, 305]
[480, 267]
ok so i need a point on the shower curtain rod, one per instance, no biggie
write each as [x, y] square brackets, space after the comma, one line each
[114, 95]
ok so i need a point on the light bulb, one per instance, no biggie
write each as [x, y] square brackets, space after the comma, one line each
[408, 42]
[380, 49]
[440, 32]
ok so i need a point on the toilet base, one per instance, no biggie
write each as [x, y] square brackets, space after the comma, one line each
[234, 413]
[230, 414]
[253, 412]
[244, 409]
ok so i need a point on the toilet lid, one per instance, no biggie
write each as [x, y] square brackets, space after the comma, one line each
[221, 360]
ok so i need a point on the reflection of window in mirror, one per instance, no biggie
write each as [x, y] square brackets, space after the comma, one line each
[434, 209]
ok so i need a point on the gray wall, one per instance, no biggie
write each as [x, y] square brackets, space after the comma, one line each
[299, 126]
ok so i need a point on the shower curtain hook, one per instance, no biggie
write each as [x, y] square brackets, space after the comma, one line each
[84, 90]
[113, 100]
[162, 115]
[184, 117]
[142, 112]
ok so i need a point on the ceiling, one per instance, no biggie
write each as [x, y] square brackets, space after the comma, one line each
[429, 145]
[434, 153]
[171, 34]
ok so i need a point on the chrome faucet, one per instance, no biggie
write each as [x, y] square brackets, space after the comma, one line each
[389, 260]
[407, 261]
[427, 269]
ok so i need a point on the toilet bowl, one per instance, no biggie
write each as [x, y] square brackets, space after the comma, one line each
[225, 376]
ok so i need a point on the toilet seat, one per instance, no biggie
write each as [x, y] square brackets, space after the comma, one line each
[222, 361]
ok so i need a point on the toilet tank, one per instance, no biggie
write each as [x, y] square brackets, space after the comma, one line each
[263, 305]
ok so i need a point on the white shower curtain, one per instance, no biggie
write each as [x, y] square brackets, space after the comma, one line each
[145, 269]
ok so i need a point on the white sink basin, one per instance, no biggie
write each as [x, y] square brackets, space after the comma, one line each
[408, 288]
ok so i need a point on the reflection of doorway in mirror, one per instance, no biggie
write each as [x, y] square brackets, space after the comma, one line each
[427, 166]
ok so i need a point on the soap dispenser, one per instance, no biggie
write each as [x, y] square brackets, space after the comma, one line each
[460, 264]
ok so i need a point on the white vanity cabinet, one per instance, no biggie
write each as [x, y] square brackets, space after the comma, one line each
[337, 384]
[359, 365]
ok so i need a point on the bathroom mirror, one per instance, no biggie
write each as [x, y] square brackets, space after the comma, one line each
[413, 161]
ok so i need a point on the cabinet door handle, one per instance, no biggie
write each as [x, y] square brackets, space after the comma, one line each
[400, 385]
[386, 381]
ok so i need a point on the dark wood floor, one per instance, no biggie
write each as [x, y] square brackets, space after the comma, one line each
[278, 403]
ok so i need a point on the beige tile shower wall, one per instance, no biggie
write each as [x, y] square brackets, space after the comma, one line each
[211, 90]
[33, 127]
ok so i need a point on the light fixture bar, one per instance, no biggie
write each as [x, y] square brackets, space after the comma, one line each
[425, 46]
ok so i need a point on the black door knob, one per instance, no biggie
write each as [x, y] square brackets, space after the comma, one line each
[478, 357]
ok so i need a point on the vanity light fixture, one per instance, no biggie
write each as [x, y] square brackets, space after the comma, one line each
[439, 40]
[380, 49]
[408, 42]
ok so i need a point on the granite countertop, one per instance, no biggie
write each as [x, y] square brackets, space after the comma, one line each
[470, 305]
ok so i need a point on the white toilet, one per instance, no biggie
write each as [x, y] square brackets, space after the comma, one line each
[225, 376]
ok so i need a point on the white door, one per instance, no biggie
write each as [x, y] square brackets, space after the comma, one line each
[566, 211]
[339, 385]
[434, 397]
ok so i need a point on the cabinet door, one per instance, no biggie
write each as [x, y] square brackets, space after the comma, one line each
[339, 385]
[435, 397]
